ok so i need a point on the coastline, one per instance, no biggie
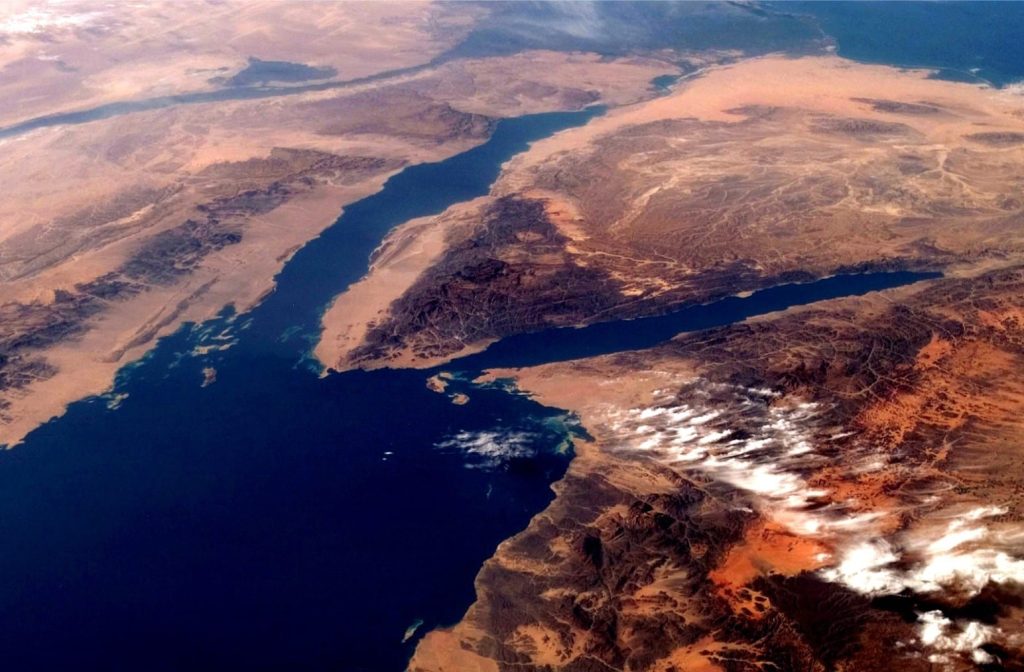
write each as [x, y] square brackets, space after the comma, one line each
[772, 462]
[127, 331]
[242, 274]
[406, 252]
[886, 232]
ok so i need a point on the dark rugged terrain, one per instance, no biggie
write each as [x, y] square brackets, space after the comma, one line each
[491, 284]
[762, 496]
[262, 185]
[116, 229]
[835, 487]
[763, 172]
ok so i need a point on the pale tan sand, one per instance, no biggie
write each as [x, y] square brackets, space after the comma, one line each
[826, 84]
[407, 251]
[726, 94]
[128, 330]
[55, 176]
[57, 64]
[440, 651]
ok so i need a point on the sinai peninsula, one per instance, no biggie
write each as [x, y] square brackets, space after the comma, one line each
[570, 336]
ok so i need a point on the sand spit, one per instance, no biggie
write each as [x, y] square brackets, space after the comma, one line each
[407, 251]
[113, 233]
[737, 179]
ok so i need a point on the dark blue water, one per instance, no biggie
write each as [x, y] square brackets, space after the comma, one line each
[617, 28]
[663, 83]
[218, 95]
[273, 519]
[276, 519]
[555, 345]
[966, 41]
[260, 72]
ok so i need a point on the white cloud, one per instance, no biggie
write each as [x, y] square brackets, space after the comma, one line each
[944, 636]
[491, 449]
[42, 19]
[746, 439]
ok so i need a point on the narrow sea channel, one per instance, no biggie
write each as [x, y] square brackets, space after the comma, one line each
[275, 519]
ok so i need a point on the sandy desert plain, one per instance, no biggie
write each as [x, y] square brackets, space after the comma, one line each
[117, 231]
[837, 486]
[874, 440]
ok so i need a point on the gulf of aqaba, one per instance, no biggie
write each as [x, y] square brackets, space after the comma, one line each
[511, 336]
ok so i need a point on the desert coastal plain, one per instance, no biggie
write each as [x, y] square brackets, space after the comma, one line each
[502, 337]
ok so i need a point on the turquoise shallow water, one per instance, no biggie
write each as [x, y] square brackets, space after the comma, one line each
[279, 520]
[273, 519]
